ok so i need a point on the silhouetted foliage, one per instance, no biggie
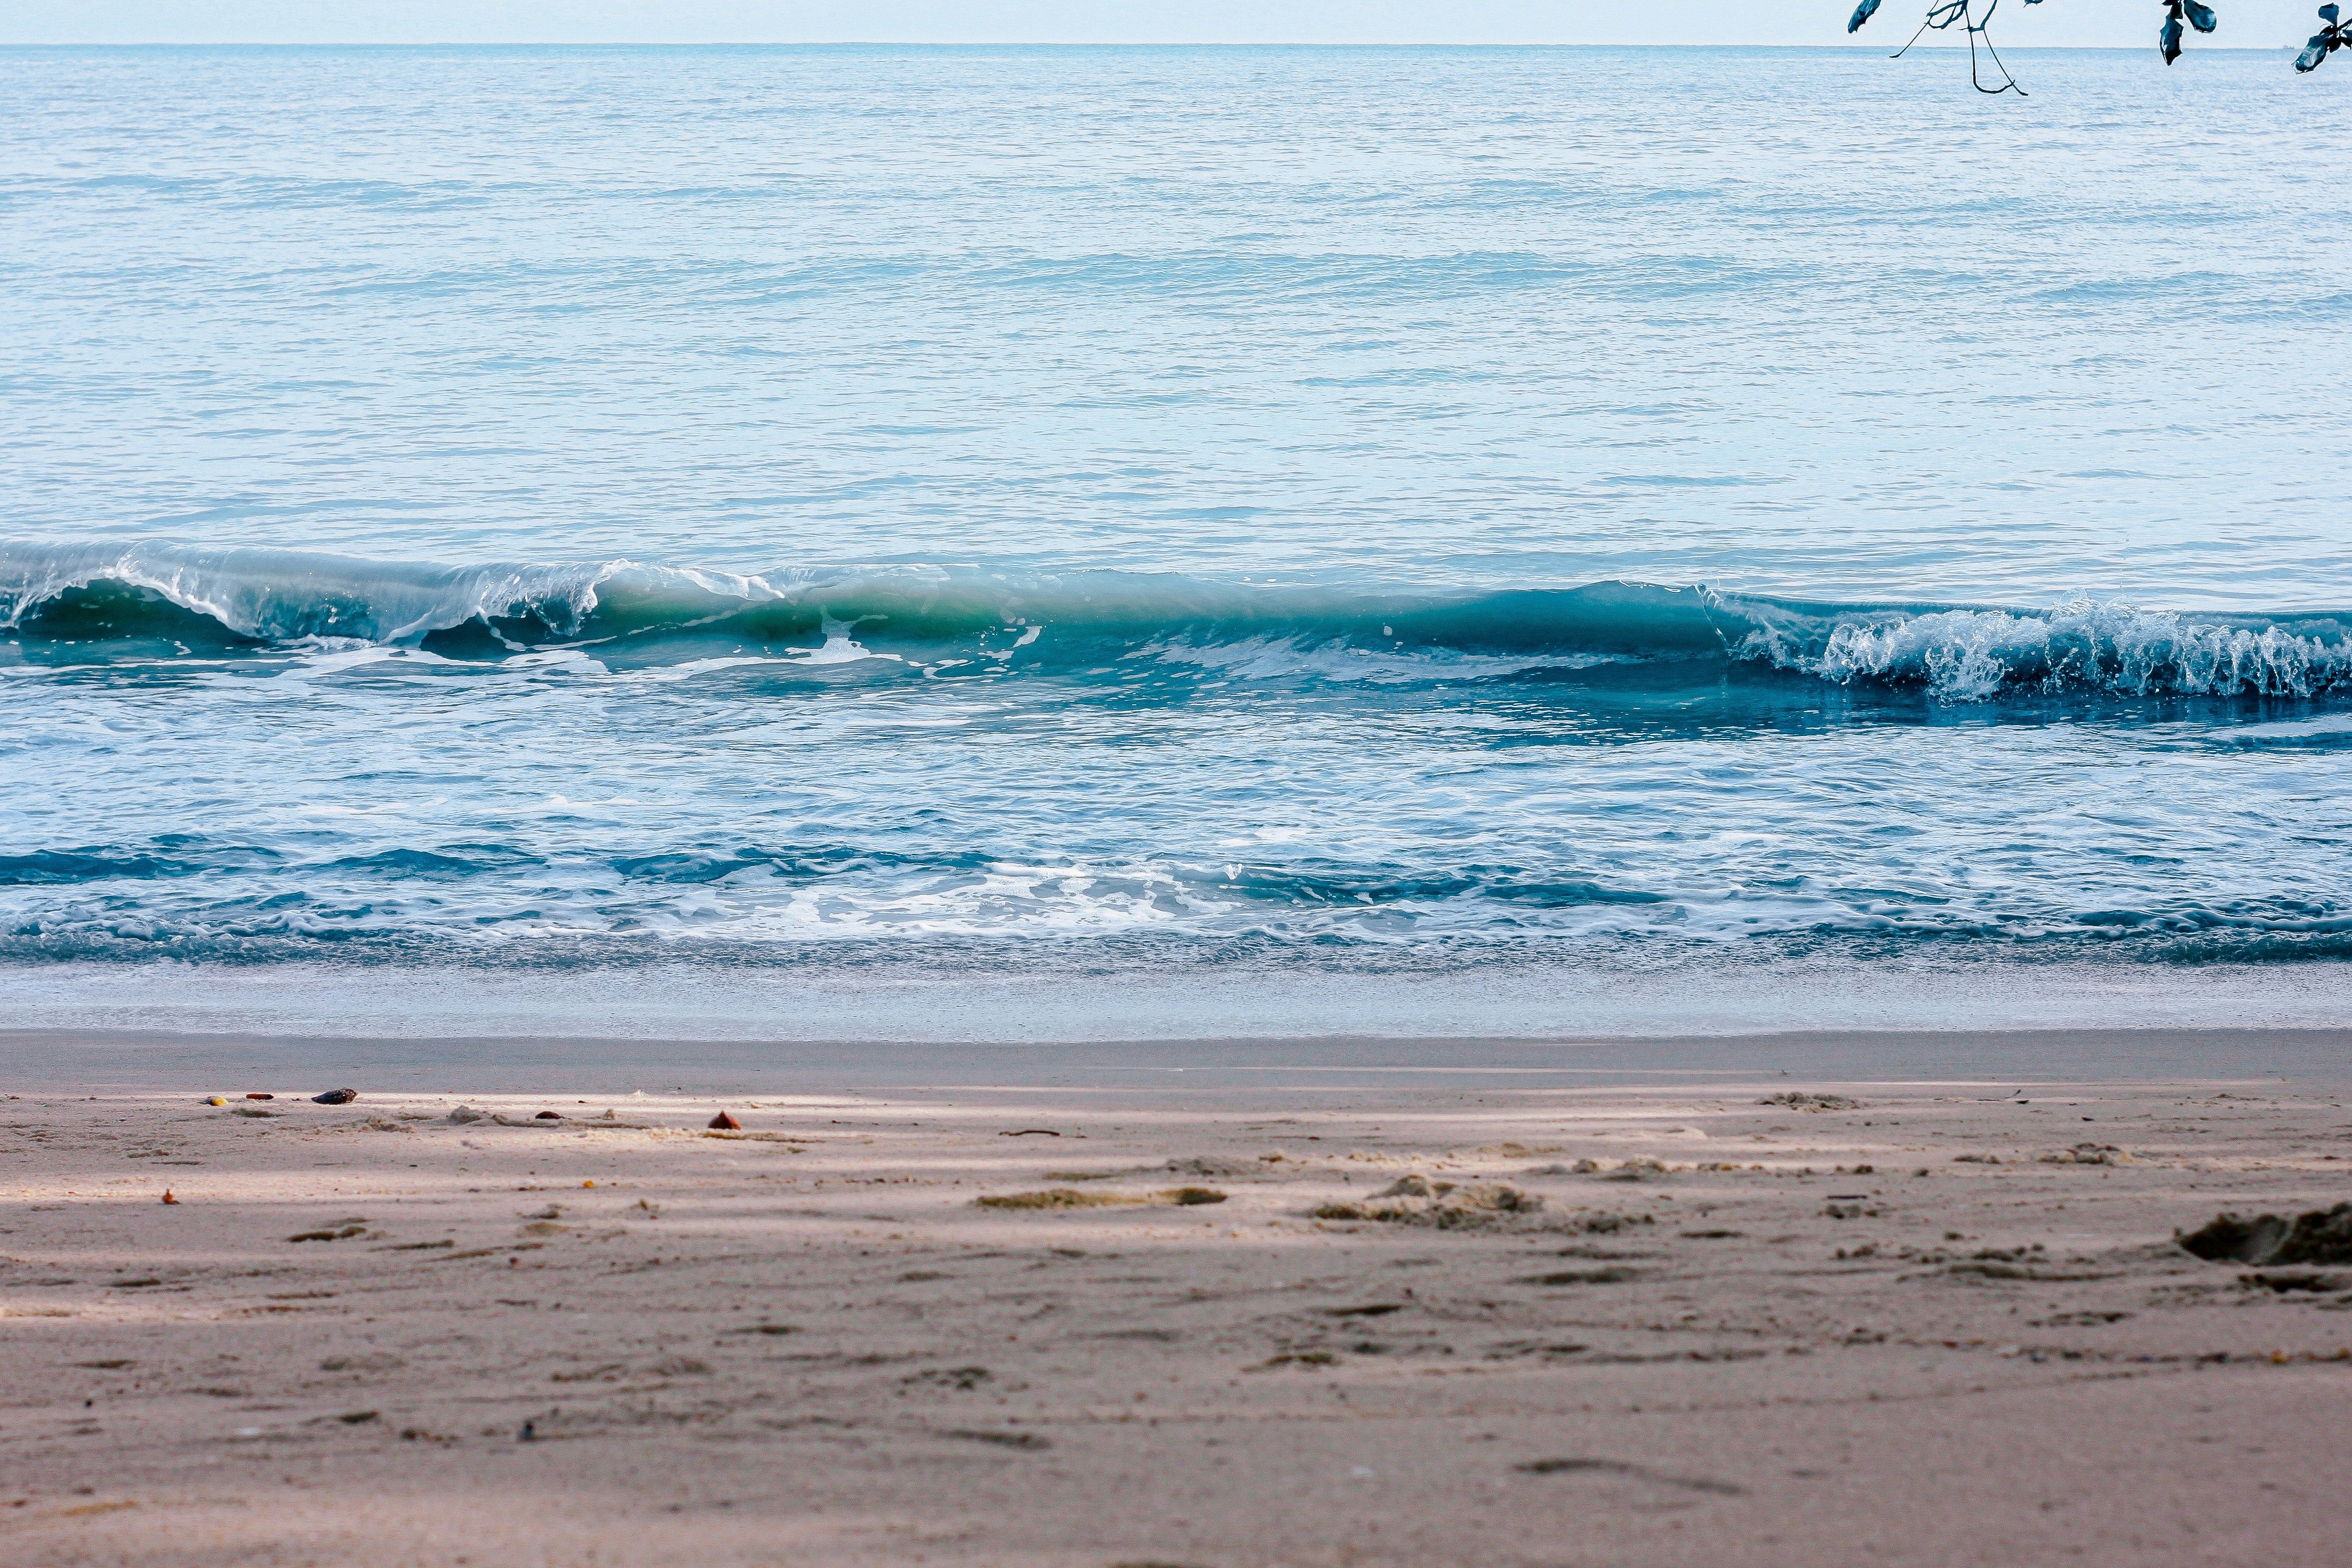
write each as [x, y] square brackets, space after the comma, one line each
[2179, 16]
[2333, 35]
[1944, 14]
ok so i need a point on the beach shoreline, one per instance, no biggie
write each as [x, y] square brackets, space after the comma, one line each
[68, 1060]
[1052, 1308]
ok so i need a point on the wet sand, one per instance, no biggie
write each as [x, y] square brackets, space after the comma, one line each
[1591, 1323]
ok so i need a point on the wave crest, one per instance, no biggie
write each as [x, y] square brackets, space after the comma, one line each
[1973, 654]
[937, 617]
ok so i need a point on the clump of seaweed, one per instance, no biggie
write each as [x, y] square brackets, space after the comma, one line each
[1050, 1198]
[1799, 1100]
[1443, 1206]
[1186, 1197]
[1071, 1199]
[2322, 1236]
[1604, 1223]
[2088, 1154]
[1212, 1165]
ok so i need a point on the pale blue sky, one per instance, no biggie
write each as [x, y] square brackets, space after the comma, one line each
[2244, 23]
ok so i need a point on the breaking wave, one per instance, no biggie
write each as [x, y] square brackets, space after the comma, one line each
[153, 597]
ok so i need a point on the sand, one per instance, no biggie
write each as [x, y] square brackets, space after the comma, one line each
[1593, 1322]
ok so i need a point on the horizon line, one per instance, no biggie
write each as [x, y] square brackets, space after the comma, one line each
[1048, 44]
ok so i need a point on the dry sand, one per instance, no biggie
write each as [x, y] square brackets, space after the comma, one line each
[1947, 1323]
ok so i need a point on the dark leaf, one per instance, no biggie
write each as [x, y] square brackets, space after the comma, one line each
[2200, 16]
[2168, 40]
[2328, 14]
[2313, 53]
[1863, 12]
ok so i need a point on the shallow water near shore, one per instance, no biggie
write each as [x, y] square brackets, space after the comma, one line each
[1035, 544]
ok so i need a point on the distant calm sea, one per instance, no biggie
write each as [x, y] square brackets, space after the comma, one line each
[1001, 542]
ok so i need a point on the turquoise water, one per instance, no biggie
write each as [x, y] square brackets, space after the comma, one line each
[1171, 540]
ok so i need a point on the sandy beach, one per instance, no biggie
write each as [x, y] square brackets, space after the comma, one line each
[1497, 1317]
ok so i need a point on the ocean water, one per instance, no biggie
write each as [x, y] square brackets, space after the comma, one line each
[998, 543]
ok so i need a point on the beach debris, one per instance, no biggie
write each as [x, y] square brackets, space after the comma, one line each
[1612, 1275]
[1030, 1440]
[168, 1196]
[2322, 1236]
[348, 1229]
[1071, 1199]
[2088, 1154]
[529, 1433]
[2285, 1281]
[1296, 1358]
[1799, 1100]
[548, 1116]
[1030, 1132]
[259, 1095]
[1187, 1197]
[466, 1115]
[1453, 1208]
[1639, 1169]
[722, 1122]
[1211, 1166]
[963, 1377]
[1050, 1198]
[216, 1099]
[1639, 1472]
[332, 1096]
[1493, 1197]
[254, 1110]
